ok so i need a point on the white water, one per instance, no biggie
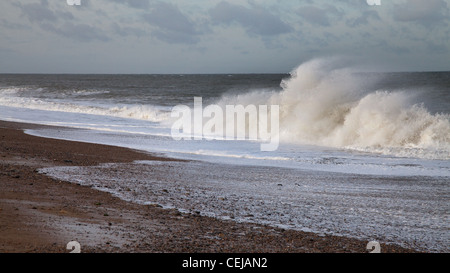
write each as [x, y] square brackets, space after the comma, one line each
[324, 104]
[12, 97]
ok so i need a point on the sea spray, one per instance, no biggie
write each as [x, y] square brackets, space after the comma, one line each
[326, 104]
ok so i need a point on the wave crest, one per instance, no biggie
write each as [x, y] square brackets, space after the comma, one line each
[324, 103]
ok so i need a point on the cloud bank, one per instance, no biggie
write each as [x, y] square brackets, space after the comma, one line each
[217, 36]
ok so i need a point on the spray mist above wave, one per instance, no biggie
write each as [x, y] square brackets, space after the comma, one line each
[324, 103]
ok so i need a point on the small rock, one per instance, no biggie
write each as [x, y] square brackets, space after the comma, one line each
[176, 213]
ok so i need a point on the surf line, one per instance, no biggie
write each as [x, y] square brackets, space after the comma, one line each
[236, 122]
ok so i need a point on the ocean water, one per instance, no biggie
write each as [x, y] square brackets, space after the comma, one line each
[365, 155]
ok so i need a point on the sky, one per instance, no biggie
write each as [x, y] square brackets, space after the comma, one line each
[221, 36]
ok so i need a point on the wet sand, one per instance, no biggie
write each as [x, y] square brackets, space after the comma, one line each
[41, 215]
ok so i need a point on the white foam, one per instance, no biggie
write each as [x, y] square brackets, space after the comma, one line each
[142, 112]
[325, 104]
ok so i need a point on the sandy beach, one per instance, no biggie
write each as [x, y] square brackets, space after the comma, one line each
[41, 215]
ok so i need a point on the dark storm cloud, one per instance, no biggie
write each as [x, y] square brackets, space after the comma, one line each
[171, 24]
[256, 20]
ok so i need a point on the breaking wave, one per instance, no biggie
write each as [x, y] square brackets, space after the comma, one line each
[324, 103]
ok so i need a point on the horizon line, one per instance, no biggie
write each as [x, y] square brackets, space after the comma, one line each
[210, 73]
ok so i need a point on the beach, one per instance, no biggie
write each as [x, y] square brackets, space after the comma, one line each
[39, 214]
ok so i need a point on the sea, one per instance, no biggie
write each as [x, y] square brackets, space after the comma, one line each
[361, 154]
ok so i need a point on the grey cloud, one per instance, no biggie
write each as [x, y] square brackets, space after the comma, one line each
[6, 50]
[10, 25]
[319, 16]
[175, 37]
[388, 46]
[425, 12]
[38, 12]
[127, 31]
[137, 4]
[67, 15]
[79, 32]
[172, 25]
[363, 19]
[437, 48]
[59, 22]
[256, 20]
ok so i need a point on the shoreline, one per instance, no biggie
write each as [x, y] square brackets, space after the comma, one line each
[39, 214]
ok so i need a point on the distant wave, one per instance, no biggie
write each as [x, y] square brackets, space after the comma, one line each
[89, 92]
[11, 97]
[324, 103]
